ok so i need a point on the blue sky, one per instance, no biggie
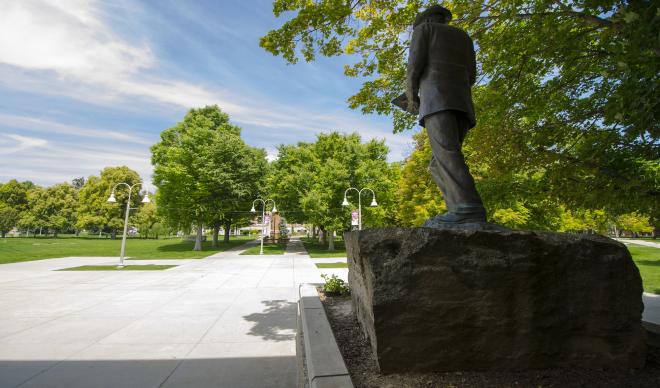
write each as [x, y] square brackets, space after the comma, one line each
[89, 84]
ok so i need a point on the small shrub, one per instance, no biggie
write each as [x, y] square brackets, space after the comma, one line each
[334, 285]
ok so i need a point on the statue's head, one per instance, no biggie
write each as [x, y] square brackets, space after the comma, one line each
[435, 13]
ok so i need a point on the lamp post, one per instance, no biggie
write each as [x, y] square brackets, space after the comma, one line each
[128, 209]
[263, 216]
[373, 202]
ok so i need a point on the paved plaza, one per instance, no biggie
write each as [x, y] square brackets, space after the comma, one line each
[651, 301]
[223, 321]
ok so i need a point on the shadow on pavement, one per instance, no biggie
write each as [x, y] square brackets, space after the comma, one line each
[276, 323]
[211, 372]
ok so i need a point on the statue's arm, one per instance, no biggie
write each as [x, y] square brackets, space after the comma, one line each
[416, 64]
[473, 64]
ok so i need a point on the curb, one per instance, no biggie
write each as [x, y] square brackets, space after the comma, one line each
[652, 333]
[325, 365]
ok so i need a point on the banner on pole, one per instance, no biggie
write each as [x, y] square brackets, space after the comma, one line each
[267, 225]
[355, 221]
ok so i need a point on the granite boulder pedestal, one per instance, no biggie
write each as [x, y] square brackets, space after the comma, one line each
[448, 300]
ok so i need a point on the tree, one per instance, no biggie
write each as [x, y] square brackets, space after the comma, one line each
[204, 171]
[95, 212]
[634, 222]
[14, 194]
[575, 115]
[146, 219]
[420, 197]
[13, 202]
[309, 180]
[512, 217]
[30, 219]
[53, 208]
[78, 183]
[581, 220]
[235, 191]
[8, 218]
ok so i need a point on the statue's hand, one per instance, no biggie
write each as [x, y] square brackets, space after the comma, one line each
[413, 105]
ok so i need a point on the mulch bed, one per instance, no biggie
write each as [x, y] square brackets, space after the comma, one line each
[362, 365]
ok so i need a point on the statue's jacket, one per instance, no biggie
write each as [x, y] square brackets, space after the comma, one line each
[441, 68]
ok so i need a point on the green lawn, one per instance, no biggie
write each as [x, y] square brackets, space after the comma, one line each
[13, 250]
[332, 265]
[269, 249]
[148, 267]
[317, 251]
[648, 262]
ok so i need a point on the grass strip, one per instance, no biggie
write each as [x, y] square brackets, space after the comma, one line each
[148, 267]
[318, 251]
[269, 249]
[332, 265]
[19, 249]
[647, 260]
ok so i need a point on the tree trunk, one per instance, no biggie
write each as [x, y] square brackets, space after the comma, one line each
[227, 227]
[198, 240]
[3, 234]
[331, 241]
[113, 235]
[216, 230]
[323, 235]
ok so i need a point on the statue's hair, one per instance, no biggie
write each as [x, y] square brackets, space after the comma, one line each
[436, 13]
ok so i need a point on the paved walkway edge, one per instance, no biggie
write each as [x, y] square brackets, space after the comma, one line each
[325, 365]
[652, 333]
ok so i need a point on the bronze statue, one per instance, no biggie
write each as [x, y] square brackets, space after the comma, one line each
[441, 70]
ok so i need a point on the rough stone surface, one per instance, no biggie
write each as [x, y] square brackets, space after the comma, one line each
[443, 300]
[434, 223]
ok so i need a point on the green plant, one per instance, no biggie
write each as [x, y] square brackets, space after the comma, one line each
[334, 285]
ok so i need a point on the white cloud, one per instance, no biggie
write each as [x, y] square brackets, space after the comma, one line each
[70, 41]
[68, 48]
[55, 161]
[69, 37]
[271, 153]
[92, 63]
[47, 126]
[12, 143]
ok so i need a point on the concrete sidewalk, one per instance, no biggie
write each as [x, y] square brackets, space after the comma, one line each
[651, 308]
[639, 242]
[651, 301]
[223, 321]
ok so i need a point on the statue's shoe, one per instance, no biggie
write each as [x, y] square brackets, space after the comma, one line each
[451, 218]
[460, 218]
[462, 222]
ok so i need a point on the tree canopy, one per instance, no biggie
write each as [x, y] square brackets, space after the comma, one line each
[204, 171]
[309, 181]
[574, 116]
[53, 209]
[13, 203]
[94, 211]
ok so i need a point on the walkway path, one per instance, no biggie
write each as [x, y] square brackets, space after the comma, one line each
[223, 321]
[651, 301]
[639, 242]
